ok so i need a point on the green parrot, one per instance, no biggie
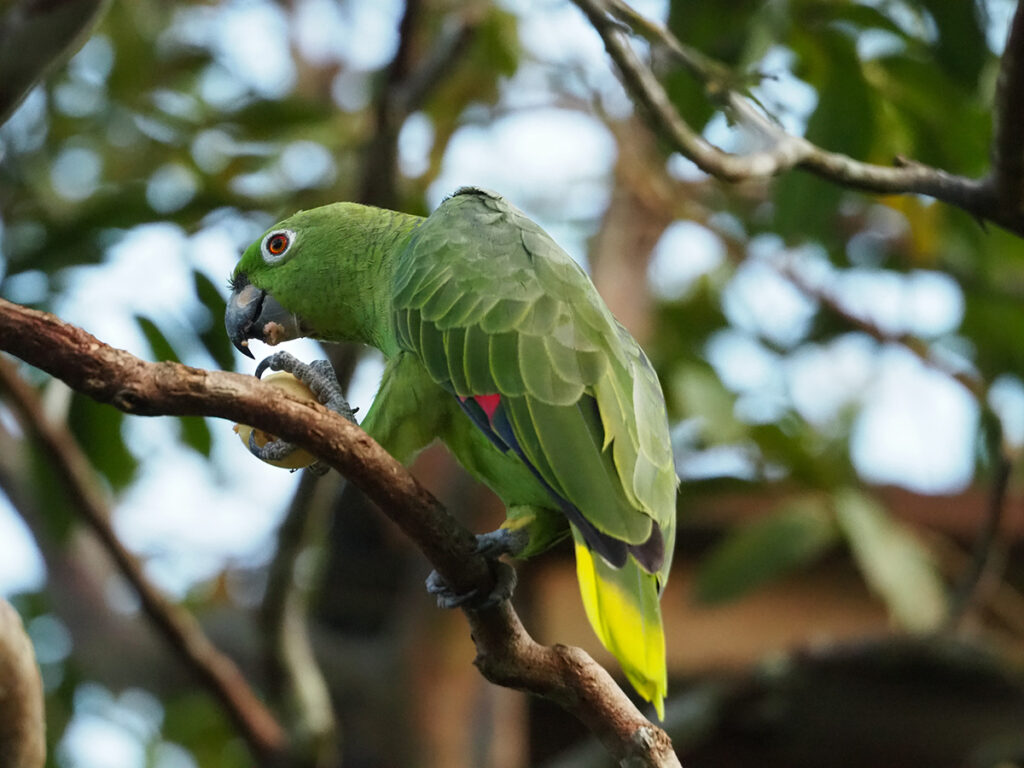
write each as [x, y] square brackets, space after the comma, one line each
[497, 343]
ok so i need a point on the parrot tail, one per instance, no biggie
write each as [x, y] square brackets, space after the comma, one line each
[622, 606]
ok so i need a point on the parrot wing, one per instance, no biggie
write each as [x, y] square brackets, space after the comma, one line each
[506, 321]
[492, 306]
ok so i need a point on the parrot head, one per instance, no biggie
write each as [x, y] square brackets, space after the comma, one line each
[316, 273]
[252, 311]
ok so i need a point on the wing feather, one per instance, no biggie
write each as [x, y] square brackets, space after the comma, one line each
[491, 304]
[455, 355]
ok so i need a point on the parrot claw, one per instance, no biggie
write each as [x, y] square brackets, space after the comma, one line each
[319, 376]
[275, 450]
[493, 545]
[504, 585]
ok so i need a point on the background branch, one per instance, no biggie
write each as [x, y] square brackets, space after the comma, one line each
[785, 152]
[295, 677]
[1008, 139]
[219, 673]
[978, 571]
[909, 342]
[408, 83]
[22, 716]
[35, 36]
[506, 654]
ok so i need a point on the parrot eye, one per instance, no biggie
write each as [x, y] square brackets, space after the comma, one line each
[276, 244]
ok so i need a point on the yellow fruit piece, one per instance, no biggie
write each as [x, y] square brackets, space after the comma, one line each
[298, 458]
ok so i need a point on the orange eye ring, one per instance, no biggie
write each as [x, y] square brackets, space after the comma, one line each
[278, 244]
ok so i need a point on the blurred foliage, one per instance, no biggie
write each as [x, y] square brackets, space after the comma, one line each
[153, 122]
[780, 542]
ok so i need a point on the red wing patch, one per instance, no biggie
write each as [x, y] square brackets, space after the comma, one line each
[489, 404]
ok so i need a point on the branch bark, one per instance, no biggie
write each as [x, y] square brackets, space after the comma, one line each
[22, 724]
[35, 36]
[506, 654]
[983, 198]
[1008, 139]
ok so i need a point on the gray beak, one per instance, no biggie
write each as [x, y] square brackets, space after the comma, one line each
[254, 314]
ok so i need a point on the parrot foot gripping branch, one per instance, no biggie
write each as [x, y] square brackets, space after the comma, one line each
[313, 381]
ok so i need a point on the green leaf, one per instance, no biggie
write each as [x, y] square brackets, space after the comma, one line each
[196, 720]
[995, 352]
[700, 394]
[952, 132]
[961, 49]
[98, 430]
[213, 336]
[895, 563]
[781, 542]
[158, 343]
[194, 430]
[844, 121]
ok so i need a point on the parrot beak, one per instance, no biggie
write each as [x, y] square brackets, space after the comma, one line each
[254, 314]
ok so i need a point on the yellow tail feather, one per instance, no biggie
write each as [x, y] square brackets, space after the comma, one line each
[622, 606]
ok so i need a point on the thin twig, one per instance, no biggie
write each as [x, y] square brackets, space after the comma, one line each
[785, 151]
[295, 676]
[644, 87]
[965, 594]
[909, 342]
[219, 673]
[506, 654]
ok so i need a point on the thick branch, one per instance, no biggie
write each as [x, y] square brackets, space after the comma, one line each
[35, 36]
[785, 151]
[178, 626]
[22, 724]
[1008, 139]
[506, 653]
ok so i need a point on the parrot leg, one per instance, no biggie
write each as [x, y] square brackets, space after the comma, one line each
[319, 376]
[504, 585]
[492, 546]
[503, 541]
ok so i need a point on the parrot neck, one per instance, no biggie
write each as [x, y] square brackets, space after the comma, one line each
[392, 234]
[383, 238]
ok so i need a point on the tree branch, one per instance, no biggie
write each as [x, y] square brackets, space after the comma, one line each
[785, 152]
[965, 594]
[506, 654]
[407, 84]
[22, 723]
[218, 672]
[35, 37]
[1008, 128]
[911, 343]
[295, 677]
